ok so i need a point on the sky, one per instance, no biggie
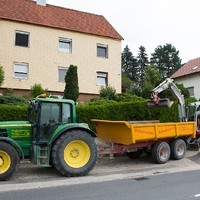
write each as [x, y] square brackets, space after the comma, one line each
[149, 23]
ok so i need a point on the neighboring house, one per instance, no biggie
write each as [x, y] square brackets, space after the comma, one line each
[38, 42]
[189, 76]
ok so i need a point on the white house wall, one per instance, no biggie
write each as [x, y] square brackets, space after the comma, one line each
[44, 58]
[190, 81]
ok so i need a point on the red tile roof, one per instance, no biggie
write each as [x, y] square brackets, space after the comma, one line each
[191, 67]
[27, 11]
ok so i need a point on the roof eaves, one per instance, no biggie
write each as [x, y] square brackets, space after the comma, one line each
[61, 28]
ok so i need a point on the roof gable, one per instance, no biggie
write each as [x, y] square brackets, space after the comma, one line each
[27, 11]
[191, 67]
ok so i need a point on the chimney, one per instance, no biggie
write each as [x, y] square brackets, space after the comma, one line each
[41, 2]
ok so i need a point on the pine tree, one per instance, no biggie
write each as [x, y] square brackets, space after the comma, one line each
[142, 62]
[167, 60]
[129, 64]
[2, 77]
[71, 84]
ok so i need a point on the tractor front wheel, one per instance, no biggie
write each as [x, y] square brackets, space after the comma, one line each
[74, 153]
[8, 160]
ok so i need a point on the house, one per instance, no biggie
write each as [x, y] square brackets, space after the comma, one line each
[38, 42]
[189, 76]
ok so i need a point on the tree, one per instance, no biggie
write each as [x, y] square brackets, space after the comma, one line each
[71, 84]
[167, 60]
[129, 64]
[2, 77]
[151, 80]
[37, 89]
[108, 92]
[127, 83]
[142, 62]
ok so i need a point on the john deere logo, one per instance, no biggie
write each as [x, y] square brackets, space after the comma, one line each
[18, 133]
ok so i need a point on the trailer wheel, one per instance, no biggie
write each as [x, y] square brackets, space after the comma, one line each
[161, 152]
[178, 149]
[8, 160]
[135, 154]
[74, 153]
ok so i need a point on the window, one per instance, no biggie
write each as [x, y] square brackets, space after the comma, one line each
[67, 115]
[102, 50]
[102, 78]
[61, 73]
[21, 38]
[191, 91]
[65, 45]
[21, 70]
[50, 113]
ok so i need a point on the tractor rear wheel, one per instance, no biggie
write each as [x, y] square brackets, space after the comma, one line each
[8, 160]
[74, 153]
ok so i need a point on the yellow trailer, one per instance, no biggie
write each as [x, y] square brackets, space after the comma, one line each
[135, 137]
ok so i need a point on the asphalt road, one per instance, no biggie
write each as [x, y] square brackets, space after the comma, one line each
[29, 175]
[173, 186]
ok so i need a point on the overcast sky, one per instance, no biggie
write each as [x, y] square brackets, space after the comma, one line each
[149, 22]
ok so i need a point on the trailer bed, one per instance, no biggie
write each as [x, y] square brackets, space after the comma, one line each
[124, 132]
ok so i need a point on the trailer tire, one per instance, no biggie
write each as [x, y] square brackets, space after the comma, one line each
[74, 153]
[178, 149]
[9, 160]
[135, 154]
[161, 152]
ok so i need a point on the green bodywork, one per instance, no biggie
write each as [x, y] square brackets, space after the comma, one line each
[48, 118]
[19, 131]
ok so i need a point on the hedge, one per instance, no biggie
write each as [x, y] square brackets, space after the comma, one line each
[13, 113]
[128, 111]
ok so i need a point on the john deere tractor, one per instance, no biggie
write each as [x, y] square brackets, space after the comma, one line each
[51, 137]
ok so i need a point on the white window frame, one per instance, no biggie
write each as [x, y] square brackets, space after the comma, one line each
[67, 43]
[101, 47]
[62, 69]
[22, 33]
[20, 70]
[102, 78]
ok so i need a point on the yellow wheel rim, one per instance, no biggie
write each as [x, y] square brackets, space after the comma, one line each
[77, 154]
[5, 162]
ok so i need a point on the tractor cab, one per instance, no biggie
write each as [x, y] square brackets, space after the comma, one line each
[46, 114]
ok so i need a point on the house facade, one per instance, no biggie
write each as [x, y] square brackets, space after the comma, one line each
[189, 76]
[38, 42]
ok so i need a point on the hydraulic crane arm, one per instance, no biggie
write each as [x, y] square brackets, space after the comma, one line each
[169, 84]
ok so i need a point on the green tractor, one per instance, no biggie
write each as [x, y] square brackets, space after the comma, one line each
[51, 137]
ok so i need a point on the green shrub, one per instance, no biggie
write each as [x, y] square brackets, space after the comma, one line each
[11, 99]
[71, 84]
[2, 75]
[127, 97]
[99, 101]
[37, 89]
[108, 92]
[13, 113]
[128, 111]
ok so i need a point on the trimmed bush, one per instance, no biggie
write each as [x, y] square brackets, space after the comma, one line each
[119, 111]
[13, 113]
[12, 99]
